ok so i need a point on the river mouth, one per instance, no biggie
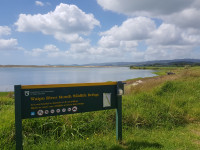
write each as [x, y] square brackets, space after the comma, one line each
[30, 76]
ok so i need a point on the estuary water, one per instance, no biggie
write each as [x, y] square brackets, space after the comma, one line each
[29, 76]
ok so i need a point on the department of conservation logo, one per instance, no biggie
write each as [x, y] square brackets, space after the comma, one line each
[26, 93]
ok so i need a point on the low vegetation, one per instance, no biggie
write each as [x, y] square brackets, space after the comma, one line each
[160, 112]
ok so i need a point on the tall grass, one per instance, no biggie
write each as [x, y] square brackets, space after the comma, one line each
[159, 113]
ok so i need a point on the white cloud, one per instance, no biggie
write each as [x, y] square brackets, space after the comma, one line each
[68, 38]
[138, 28]
[5, 30]
[128, 34]
[168, 52]
[121, 42]
[39, 3]
[66, 23]
[145, 7]
[187, 18]
[196, 4]
[80, 47]
[166, 41]
[8, 44]
[169, 34]
[51, 48]
[108, 42]
[166, 34]
[47, 50]
[177, 36]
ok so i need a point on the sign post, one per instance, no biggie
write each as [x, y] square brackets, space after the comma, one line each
[34, 101]
[18, 118]
[120, 89]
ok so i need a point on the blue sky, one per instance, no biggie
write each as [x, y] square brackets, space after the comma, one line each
[89, 31]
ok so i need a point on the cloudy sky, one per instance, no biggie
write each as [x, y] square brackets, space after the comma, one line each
[89, 31]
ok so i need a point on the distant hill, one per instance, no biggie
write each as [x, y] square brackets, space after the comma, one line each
[147, 63]
[175, 62]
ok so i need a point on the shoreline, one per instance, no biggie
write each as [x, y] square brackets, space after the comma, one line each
[9, 88]
[54, 66]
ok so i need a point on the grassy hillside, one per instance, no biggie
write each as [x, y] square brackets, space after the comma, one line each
[161, 112]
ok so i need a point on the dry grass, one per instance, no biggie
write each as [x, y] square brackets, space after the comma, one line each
[147, 83]
[190, 73]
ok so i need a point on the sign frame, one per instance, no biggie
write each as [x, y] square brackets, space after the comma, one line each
[18, 90]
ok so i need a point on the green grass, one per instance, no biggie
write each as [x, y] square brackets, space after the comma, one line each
[160, 113]
[160, 70]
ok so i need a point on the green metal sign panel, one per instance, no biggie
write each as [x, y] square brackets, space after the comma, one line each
[42, 102]
[33, 101]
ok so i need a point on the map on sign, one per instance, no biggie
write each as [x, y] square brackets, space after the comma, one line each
[106, 99]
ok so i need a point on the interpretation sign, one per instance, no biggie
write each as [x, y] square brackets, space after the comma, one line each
[34, 101]
[51, 100]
